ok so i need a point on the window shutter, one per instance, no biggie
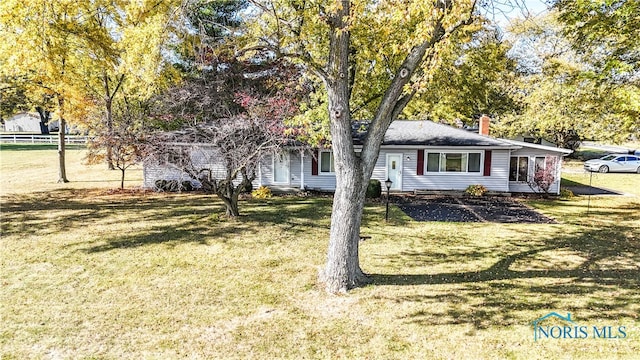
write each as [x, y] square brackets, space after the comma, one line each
[487, 163]
[420, 168]
[314, 163]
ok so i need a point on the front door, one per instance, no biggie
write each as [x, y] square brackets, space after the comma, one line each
[281, 168]
[394, 170]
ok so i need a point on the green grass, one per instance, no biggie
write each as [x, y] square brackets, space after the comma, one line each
[27, 168]
[622, 182]
[91, 273]
[26, 146]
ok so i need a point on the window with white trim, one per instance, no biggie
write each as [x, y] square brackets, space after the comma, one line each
[519, 168]
[326, 162]
[540, 164]
[453, 162]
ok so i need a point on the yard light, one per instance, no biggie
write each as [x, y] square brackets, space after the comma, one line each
[387, 183]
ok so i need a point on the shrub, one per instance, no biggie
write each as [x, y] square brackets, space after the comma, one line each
[262, 192]
[173, 185]
[476, 190]
[374, 189]
[248, 188]
[544, 176]
[566, 193]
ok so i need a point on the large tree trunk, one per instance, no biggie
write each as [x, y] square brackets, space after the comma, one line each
[62, 171]
[231, 204]
[229, 196]
[44, 119]
[342, 271]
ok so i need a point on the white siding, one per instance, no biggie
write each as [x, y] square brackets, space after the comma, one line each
[323, 182]
[497, 181]
[532, 153]
[154, 172]
[202, 158]
[294, 168]
[266, 171]
[23, 123]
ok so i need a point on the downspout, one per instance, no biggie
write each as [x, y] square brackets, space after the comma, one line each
[509, 171]
[559, 173]
[302, 170]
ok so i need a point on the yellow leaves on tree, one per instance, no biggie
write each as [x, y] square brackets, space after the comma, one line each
[61, 51]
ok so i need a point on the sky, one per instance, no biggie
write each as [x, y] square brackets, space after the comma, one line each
[507, 12]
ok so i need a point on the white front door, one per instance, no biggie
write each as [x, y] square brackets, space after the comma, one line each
[394, 170]
[281, 168]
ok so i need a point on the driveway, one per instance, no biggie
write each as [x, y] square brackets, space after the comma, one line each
[464, 209]
[591, 190]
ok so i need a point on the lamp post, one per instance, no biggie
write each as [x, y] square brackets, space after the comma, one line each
[387, 183]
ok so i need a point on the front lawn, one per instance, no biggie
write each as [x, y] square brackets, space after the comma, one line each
[91, 273]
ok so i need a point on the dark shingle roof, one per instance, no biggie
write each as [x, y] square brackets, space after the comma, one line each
[428, 133]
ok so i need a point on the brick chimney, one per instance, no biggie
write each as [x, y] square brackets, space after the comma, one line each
[485, 121]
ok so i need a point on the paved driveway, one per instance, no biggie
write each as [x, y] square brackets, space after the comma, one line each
[591, 190]
[463, 209]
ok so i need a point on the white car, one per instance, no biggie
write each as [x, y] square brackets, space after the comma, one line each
[614, 163]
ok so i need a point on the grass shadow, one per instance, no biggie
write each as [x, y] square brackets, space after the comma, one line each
[53, 146]
[189, 217]
[604, 267]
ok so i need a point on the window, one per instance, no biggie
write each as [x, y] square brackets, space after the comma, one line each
[433, 162]
[519, 168]
[326, 162]
[453, 162]
[540, 164]
[474, 162]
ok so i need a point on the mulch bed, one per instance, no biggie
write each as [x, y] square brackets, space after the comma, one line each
[469, 209]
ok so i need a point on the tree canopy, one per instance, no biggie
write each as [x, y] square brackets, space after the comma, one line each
[474, 79]
[372, 57]
[559, 98]
[62, 54]
[606, 33]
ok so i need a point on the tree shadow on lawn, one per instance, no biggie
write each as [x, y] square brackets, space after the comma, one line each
[55, 212]
[261, 223]
[189, 217]
[604, 284]
[168, 236]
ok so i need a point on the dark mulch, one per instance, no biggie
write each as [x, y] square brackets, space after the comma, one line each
[468, 209]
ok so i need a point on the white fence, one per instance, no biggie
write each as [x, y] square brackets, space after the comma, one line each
[41, 139]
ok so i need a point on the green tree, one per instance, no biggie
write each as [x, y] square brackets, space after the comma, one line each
[472, 80]
[606, 32]
[561, 96]
[13, 97]
[366, 53]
